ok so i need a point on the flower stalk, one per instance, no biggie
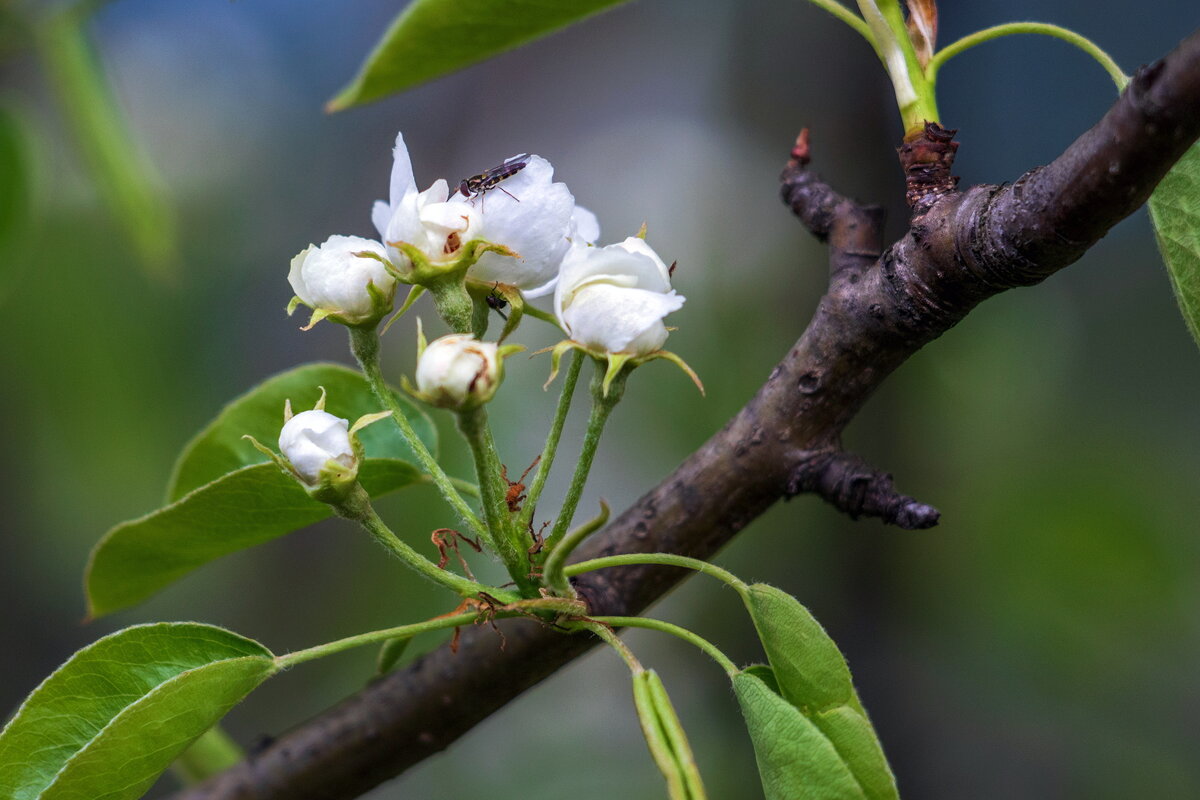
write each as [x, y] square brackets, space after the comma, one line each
[364, 342]
[551, 448]
[603, 404]
[357, 507]
[505, 537]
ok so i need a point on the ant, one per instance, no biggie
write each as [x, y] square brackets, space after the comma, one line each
[496, 301]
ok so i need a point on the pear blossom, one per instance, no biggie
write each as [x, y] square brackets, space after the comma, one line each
[613, 299]
[538, 220]
[528, 214]
[335, 279]
[311, 439]
[459, 371]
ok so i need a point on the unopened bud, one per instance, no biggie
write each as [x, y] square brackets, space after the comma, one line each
[312, 439]
[459, 371]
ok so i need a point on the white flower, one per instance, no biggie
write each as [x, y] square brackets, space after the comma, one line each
[333, 278]
[613, 299]
[535, 218]
[424, 220]
[526, 212]
[312, 439]
[459, 371]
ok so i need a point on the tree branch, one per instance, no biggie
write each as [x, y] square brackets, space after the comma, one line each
[961, 248]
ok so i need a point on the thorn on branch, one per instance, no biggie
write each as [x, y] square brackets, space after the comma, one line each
[852, 486]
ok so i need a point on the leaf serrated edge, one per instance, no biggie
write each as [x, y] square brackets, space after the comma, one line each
[268, 661]
[199, 626]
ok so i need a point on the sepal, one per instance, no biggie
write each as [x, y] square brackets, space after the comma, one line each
[614, 363]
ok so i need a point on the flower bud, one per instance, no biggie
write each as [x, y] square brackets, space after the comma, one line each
[312, 439]
[459, 371]
[613, 299]
[345, 279]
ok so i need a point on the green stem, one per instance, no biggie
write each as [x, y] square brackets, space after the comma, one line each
[535, 312]
[658, 559]
[508, 540]
[608, 635]
[845, 15]
[453, 302]
[357, 507]
[364, 343]
[547, 608]
[1010, 28]
[215, 751]
[556, 428]
[552, 572]
[708, 647]
[914, 91]
[402, 632]
[602, 407]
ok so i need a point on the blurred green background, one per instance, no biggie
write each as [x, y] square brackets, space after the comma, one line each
[1043, 641]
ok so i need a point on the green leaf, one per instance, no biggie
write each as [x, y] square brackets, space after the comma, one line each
[220, 449]
[390, 654]
[854, 739]
[665, 737]
[808, 665]
[245, 508]
[795, 759]
[1175, 212]
[109, 721]
[433, 37]
[813, 676]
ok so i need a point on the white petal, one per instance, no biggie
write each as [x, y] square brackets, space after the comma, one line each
[296, 274]
[635, 244]
[616, 263]
[402, 182]
[381, 215]
[543, 290]
[611, 318]
[531, 216]
[439, 192]
[584, 226]
[446, 217]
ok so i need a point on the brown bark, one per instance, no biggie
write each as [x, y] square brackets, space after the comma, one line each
[880, 308]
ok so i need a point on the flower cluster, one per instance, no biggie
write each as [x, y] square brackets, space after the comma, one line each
[510, 231]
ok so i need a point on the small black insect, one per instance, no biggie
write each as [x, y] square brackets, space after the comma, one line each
[496, 301]
[477, 185]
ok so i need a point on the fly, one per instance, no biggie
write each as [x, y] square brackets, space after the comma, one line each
[477, 185]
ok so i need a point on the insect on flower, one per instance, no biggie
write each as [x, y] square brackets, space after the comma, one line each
[477, 185]
[496, 301]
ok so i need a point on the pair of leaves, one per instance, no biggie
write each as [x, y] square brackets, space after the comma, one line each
[812, 738]
[109, 721]
[224, 496]
[665, 737]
